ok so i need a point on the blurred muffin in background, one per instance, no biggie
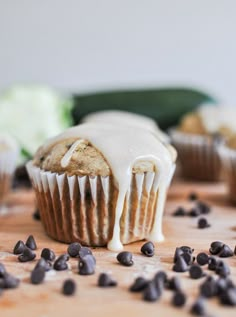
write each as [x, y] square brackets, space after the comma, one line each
[197, 138]
[9, 152]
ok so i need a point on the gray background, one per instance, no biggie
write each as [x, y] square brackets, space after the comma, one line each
[85, 45]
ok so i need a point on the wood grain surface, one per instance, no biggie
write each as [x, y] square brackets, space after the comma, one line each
[45, 300]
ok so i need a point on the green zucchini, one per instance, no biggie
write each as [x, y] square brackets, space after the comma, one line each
[165, 105]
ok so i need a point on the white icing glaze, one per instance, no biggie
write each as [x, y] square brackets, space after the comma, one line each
[67, 157]
[127, 118]
[123, 147]
[216, 117]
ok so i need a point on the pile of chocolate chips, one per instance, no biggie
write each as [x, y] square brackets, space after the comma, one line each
[200, 209]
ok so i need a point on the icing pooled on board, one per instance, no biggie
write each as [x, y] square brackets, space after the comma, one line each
[122, 147]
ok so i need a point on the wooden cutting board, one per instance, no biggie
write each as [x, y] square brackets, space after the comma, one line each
[46, 299]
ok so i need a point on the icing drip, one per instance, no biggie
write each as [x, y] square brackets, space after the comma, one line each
[67, 157]
[123, 147]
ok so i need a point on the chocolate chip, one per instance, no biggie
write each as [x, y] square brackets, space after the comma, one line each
[19, 247]
[42, 263]
[139, 284]
[3, 271]
[216, 247]
[151, 293]
[69, 287]
[84, 251]
[226, 252]
[187, 249]
[37, 275]
[8, 281]
[160, 279]
[203, 208]
[222, 269]
[179, 212]
[179, 299]
[212, 263]
[87, 265]
[208, 288]
[73, 249]
[30, 243]
[223, 284]
[180, 265]
[202, 258]
[198, 308]
[174, 284]
[194, 212]
[187, 258]
[195, 271]
[228, 297]
[48, 254]
[104, 280]
[36, 215]
[27, 255]
[203, 223]
[193, 196]
[125, 258]
[235, 250]
[60, 263]
[148, 249]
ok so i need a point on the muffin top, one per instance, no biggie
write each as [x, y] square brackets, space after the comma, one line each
[94, 149]
[208, 120]
[127, 118]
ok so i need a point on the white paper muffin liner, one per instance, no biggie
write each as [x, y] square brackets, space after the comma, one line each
[228, 160]
[198, 156]
[8, 159]
[74, 208]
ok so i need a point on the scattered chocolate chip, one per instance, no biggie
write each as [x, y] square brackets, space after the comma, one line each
[84, 251]
[202, 258]
[27, 255]
[193, 196]
[73, 249]
[179, 299]
[36, 215]
[21, 178]
[48, 254]
[69, 287]
[139, 284]
[8, 281]
[3, 271]
[222, 269]
[203, 223]
[125, 258]
[194, 212]
[178, 253]
[104, 280]
[174, 284]
[208, 288]
[198, 308]
[187, 258]
[30, 243]
[87, 265]
[203, 207]
[179, 212]
[19, 247]
[151, 293]
[37, 275]
[228, 297]
[226, 252]
[187, 249]
[212, 263]
[195, 271]
[60, 263]
[223, 284]
[160, 279]
[42, 263]
[216, 247]
[235, 250]
[180, 265]
[148, 249]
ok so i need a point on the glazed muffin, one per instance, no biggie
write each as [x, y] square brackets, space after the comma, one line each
[8, 157]
[227, 152]
[197, 138]
[102, 185]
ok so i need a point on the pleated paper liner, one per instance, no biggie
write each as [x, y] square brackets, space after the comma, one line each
[7, 166]
[228, 159]
[198, 156]
[74, 208]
